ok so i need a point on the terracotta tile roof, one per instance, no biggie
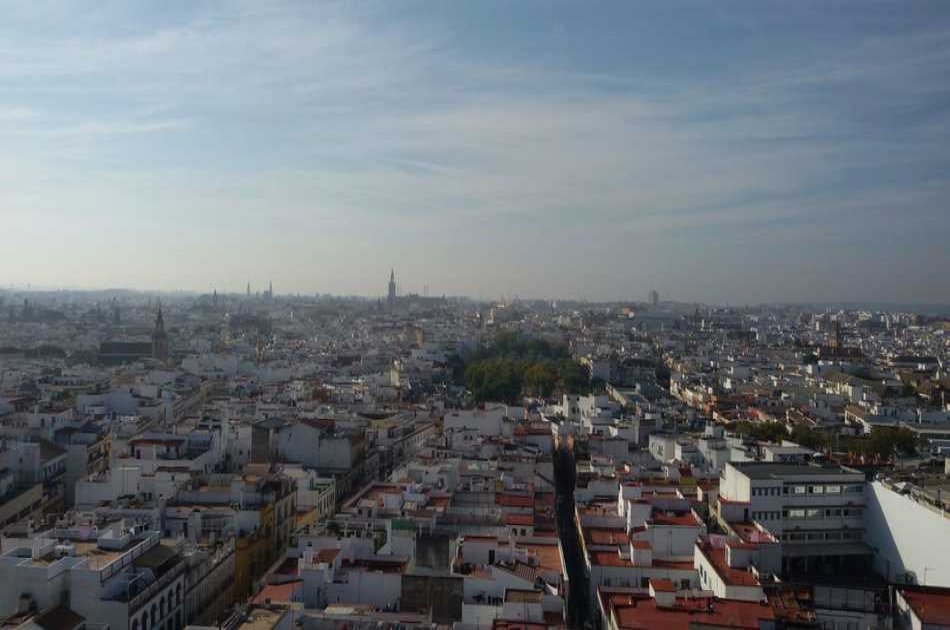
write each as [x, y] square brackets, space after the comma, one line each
[932, 606]
[636, 612]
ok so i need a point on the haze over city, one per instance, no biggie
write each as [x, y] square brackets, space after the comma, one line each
[474, 315]
[719, 152]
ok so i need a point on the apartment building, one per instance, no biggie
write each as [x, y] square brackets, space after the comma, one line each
[816, 511]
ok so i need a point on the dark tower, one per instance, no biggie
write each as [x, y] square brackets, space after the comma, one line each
[836, 336]
[160, 338]
[392, 286]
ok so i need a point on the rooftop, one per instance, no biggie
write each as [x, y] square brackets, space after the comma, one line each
[769, 470]
[930, 605]
[636, 611]
[729, 575]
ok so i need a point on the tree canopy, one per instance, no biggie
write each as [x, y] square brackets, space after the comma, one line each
[514, 365]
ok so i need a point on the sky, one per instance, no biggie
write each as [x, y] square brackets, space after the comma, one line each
[716, 151]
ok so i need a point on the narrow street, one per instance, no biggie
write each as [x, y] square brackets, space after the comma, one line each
[578, 605]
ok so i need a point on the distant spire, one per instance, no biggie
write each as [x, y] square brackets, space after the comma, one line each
[159, 338]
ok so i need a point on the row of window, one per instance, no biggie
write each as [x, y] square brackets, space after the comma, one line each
[158, 612]
[837, 512]
[795, 489]
[684, 584]
[834, 536]
[796, 513]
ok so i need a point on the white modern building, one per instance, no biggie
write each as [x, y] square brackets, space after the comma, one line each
[817, 512]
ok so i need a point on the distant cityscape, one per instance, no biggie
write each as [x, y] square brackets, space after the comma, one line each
[261, 460]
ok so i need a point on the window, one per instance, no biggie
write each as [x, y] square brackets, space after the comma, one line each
[799, 489]
[833, 489]
[817, 489]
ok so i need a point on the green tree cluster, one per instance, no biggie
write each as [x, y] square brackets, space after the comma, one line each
[777, 431]
[764, 431]
[515, 365]
[885, 442]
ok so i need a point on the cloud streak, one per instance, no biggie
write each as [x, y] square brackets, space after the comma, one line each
[368, 137]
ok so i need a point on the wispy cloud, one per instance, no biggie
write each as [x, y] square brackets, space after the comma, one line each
[351, 123]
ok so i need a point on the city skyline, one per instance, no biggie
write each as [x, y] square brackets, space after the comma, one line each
[742, 153]
[261, 292]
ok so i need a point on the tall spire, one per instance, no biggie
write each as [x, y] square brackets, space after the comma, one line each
[159, 320]
[159, 337]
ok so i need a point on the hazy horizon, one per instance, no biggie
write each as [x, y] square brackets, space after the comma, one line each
[924, 308]
[740, 152]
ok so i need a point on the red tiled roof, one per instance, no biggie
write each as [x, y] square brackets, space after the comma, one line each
[662, 585]
[729, 575]
[636, 612]
[279, 592]
[686, 519]
[931, 606]
[609, 559]
[605, 536]
[514, 500]
[519, 519]
[549, 557]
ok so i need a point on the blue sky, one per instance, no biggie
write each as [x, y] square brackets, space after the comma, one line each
[716, 151]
